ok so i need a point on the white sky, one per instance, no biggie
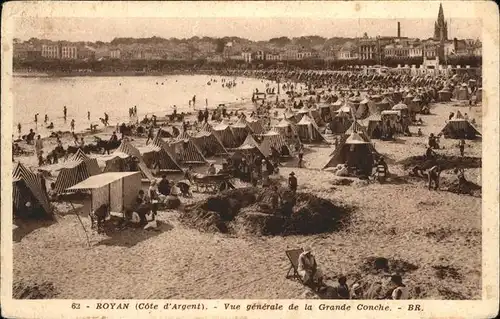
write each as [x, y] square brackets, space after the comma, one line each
[251, 20]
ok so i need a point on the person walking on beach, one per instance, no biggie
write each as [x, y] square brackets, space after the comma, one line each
[150, 135]
[36, 119]
[88, 115]
[194, 101]
[135, 110]
[65, 112]
[39, 150]
[46, 119]
[19, 129]
[72, 125]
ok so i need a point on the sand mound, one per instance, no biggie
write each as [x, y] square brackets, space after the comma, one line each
[378, 264]
[342, 182]
[443, 272]
[23, 290]
[249, 211]
[446, 162]
[464, 187]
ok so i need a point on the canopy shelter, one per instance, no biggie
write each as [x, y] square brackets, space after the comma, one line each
[156, 157]
[273, 139]
[308, 130]
[186, 151]
[118, 190]
[225, 134]
[240, 130]
[126, 150]
[354, 151]
[288, 115]
[209, 144]
[28, 187]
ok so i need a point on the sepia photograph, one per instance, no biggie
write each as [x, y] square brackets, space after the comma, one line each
[246, 156]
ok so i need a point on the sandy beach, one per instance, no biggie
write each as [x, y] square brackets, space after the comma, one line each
[433, 238]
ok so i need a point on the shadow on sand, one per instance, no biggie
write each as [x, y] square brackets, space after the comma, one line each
[129, 237]
[25, 227]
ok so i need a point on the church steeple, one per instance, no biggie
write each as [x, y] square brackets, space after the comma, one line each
[441, 27]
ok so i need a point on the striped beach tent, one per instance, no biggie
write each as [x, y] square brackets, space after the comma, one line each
[256, 125]
[225, 134]
[126, 149]
[78, 156]
[154, 155]
[354, 151]
[250, 147]
[208, 143]
[241, 130]
[74, 172]
[308, 130]
[273, 139]
[185, 150]
[27, 185]
[286, 128]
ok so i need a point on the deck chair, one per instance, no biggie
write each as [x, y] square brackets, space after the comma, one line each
[293, 256]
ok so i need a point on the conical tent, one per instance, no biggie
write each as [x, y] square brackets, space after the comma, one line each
[126, 149]
[225, 134]
[28, 186]
[249, 147]
[208, 143]
[354, 151]
[186, 150]
[74, 172]
[241, 130]
[308, 130]
[255, 125]
[159, 157]
[78, 156]
[458, 128]
[286, 128]
[273, 139]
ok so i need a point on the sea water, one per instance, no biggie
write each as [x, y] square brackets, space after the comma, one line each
[115, 95]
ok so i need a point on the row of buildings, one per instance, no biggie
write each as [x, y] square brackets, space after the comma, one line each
[364, 48]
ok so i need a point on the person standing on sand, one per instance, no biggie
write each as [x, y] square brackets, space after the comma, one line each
[433, 175]
[461, 146]
[292, 182]
[88, 115]
[72, 125]
[65, 113]
[19, 129]
[39, 150]
[46, 119]
[301, 156]
[36, 118]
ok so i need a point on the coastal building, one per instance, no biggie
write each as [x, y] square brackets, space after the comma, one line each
[69, 52]
[23, 51]
[304, 54]
[102, 53]
[260, 55]
[247, 56]
[51, 51]
[348, 51]
[86, 53]
[368, 48]
[273, 56]
[115, 54]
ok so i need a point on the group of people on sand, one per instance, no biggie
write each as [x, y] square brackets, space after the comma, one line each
[311, 275]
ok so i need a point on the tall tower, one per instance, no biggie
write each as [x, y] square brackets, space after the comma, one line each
[440, 26]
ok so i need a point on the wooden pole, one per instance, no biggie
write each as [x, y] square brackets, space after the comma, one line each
[78, 216]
